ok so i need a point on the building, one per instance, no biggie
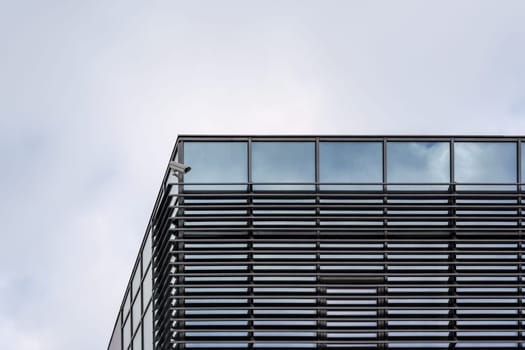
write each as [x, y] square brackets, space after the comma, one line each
[332, 242]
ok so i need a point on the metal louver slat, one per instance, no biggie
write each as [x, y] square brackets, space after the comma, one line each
[277, 274]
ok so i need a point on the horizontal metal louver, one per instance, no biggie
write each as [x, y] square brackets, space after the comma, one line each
[345, 270]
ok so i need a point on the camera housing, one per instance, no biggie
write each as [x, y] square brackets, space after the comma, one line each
[179, 169]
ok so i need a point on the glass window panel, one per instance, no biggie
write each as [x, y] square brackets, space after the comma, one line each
[116, 340]
[355, 162]
[146, 253]
[137, 341]
[147, 287]
[135, 284]
[127, 304]
[491, 162]
[216, 162]
[136, 312]
[126, 331]
[418, 162]
[283, 162]
[148, 329]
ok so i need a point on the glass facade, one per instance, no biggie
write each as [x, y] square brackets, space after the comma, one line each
[215, 164]
[309, 242]
[283, 165]
[486, 162]
[418, 163]
[359, 165]
[134, 328]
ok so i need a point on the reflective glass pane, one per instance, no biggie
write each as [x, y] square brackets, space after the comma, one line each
[418, 162]
[116, 339]
[126, 332]
[354, 162]
[135, 284]
[146, 252]
[216, 162]
[148, 329]
[491, 162]
[147, 286]
[127, 305]
[136, 312]
[137, 341]
[283, 162]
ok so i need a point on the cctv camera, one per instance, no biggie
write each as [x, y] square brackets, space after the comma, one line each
[179, 168]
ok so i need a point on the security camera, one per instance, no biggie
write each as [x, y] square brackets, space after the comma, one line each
[178, 168]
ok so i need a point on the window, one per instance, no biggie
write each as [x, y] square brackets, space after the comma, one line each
[147, 286]
[351, 162]
[127, 304]
[136, 313]
[126, 332]
[137, 341]
[116, 341]
[146, 252]
[216, 162]
[487, 162]
[418, 162]
[135, 284]
[148, 329]
[283, 162]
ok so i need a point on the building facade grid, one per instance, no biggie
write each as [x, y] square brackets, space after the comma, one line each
[332, 242]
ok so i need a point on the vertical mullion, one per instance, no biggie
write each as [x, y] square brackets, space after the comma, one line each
[452, 268]
[120, 324]
[320, 290]
[251, 338]
[382, 290]
[180, 279]
[520, 245]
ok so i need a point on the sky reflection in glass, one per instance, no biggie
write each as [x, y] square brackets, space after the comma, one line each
[283, 162]
[353, 162]
[349, 162]
[485, 162]
[418, 162]
[216, 162]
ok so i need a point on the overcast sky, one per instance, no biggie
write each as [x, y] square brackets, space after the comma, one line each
[94, 93]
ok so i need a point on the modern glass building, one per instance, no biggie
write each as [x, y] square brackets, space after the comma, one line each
[332, 242]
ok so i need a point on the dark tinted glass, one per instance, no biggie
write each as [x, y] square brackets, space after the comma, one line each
[490, 162]
[283, 162]
[351, 162]
[418, 162]
[216, 162]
